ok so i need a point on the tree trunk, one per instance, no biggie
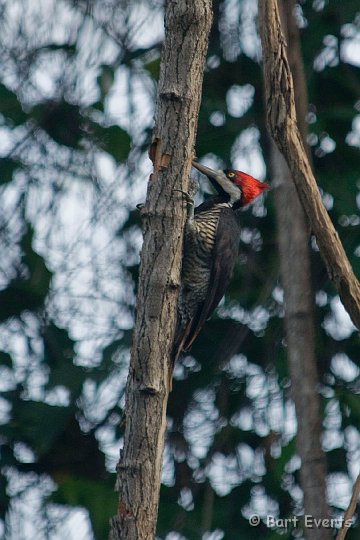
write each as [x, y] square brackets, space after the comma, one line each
[281, 116]
[299, 326]
[294, 254]
[187, 25]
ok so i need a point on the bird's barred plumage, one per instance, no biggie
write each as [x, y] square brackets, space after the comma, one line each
[199, 243]
[210, 250]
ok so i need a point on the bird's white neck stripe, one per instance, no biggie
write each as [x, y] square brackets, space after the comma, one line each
[231, 189]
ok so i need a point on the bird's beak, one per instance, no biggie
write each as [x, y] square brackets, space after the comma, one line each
[206, 170]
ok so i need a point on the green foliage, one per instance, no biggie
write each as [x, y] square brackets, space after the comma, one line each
[114, 140]
[67, 125]
[5, 359]
[10, 106]
[105, 80]
[38, 423]
[26, 293]
[59, 355]
[98, 498]
[62, 121]
[7, 168]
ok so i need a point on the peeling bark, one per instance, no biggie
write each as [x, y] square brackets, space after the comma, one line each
[187, 26]
[282, 123]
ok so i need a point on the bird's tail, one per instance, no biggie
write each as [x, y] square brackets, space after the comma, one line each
[183, 340]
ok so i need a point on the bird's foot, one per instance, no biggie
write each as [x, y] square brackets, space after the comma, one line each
[190, 204]
[189, 200]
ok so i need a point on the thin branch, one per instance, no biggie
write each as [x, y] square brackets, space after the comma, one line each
[282, 123]
[295, 271]
[350, 511]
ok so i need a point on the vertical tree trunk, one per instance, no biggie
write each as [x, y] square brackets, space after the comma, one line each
[294, 254]
[299, 326]
[187, 25]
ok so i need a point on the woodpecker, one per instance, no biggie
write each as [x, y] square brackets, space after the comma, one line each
[211, 246]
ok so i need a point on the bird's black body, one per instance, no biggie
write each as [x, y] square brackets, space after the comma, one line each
[211, 247]
[210, 251]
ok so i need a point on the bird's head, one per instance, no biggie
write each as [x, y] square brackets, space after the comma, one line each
[240, 187]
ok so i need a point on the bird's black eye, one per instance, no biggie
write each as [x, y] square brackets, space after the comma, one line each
[230, 175]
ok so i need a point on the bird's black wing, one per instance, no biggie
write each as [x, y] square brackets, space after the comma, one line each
[225, 252]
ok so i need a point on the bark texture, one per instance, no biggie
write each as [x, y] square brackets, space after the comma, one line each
[299, 325]
[281, 116]
[295, 271]
[187, 25]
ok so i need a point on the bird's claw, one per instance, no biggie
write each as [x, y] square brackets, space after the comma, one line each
[190, 205]
[189, 200]
[140, 206]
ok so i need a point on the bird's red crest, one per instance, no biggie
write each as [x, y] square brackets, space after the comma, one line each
[250, 187]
